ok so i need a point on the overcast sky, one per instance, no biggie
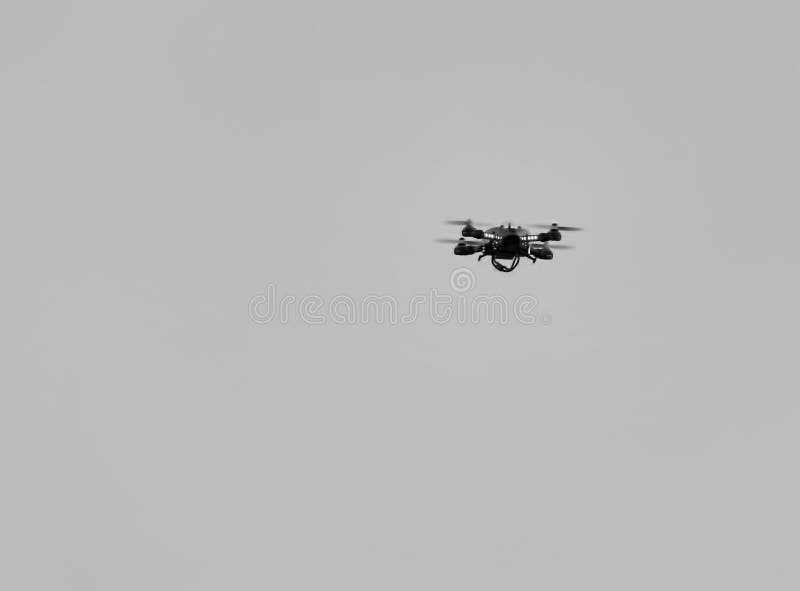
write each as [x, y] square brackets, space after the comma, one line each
[163, 163]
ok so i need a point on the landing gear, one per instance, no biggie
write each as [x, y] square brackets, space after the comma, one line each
[501, 267]
[505, 268]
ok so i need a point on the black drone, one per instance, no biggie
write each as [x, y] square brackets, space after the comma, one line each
[507, 243]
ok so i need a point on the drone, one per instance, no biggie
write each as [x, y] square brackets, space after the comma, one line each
[505, 243]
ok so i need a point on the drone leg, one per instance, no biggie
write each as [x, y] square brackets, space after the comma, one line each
[483, 255]
[501, 267]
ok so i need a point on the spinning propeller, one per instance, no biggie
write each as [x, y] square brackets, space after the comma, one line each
[462, 241]
[466, 222]
[555, 226]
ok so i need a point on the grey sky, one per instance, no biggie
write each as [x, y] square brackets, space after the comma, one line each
[163, 162]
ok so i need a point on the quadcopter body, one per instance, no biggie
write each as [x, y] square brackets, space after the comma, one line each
[507, 243]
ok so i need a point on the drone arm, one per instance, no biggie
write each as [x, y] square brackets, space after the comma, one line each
[470, 232]
[551, 234]
[466, 249]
